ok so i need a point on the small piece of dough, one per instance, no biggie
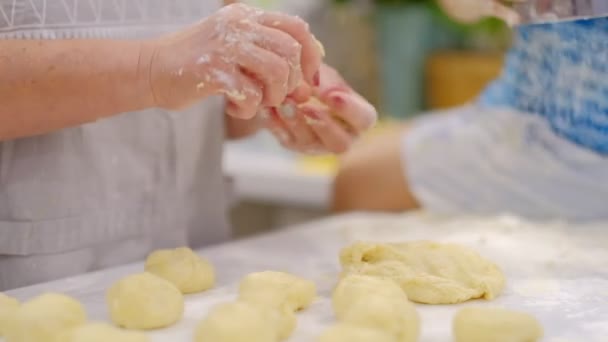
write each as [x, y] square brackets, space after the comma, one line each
[428, 272]
[102, 332]
[476, 324]
[45, 318]
[398, 318]
[344, 332]
[144, 301]
[355, 286]
[183, 268]
[277, 290]
[8, 308]
[237, 322]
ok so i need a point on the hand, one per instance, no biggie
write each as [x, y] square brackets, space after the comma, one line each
[469, 11]
[252, 57]
[329, 121]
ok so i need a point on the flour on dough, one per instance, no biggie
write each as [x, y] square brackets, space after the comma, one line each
[477, 324]
[355, 286]
[45, 318]
[428, 272]
[377, 304]
[344, 332]
[8, 308]
[277, 290]
[185, 269]
[144, 301]
[102, 332]
[237, 322]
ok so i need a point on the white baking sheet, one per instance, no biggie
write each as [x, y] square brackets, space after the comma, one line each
[556, 271]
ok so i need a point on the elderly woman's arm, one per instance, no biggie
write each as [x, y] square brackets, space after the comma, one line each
[49, 85]
[254, 58]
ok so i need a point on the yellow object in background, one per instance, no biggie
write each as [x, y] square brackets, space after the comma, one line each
[328, 164]
[454, 78]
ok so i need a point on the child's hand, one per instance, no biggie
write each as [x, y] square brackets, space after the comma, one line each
[254, 58]
[329, 121]
[473, 10]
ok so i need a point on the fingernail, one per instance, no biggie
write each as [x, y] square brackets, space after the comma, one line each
[311, 114]
[337, 100]
[316, 80]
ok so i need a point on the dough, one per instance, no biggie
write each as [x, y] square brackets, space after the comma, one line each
[8, 307]
[398, 318]
[144, 301]
[344, 332]
[102, 332]
[45, 318]
[238, 322]
[355, 286]
[277, 290]
[475, 324]
[428, 272]
[185, 269]
[376, 303]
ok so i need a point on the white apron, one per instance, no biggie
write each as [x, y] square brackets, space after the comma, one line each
[108, 192]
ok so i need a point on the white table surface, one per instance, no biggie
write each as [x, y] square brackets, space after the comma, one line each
[262, 171]
[557, 272]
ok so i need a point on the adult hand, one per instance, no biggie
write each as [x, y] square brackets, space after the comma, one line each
[254, 58]
[332, 117]
[469, 11]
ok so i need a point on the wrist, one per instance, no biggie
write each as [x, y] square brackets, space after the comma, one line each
[146, 55]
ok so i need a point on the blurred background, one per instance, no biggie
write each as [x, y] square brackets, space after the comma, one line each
[406, 56]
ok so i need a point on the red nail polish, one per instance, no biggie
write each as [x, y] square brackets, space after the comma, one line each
[337, 100]
[317, 79]
[311, 114]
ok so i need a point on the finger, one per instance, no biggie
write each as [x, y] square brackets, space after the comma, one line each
[333, 137]
[330, 81]
[269, 69]
[297, 125]
[352, 109]
[277, 127]
[301, 94]
[244, 95]
[503, 12]
[300, 31]
[283, 45]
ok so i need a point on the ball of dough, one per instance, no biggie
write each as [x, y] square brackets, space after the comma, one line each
[102, 332]
[8, 308]
[237, 322]
[277, 290]
[398, 318]
[144, 301]
[355, 286]
[476, 324]
[185, 269]
[344, 332]
[428, 272]
[45, 318]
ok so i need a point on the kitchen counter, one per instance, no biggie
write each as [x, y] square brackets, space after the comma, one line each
[555, 271]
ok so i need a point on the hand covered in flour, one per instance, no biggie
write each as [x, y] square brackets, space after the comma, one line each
[469, 11]
[254, 58]
[323, 119]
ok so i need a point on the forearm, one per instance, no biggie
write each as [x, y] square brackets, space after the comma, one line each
[238, 128]
[48, 85]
